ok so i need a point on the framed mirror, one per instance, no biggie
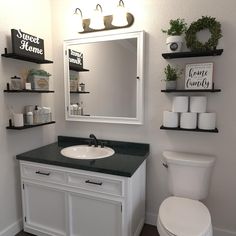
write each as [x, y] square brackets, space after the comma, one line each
[103, 78]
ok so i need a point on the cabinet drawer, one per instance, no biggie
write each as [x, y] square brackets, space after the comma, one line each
[97, 184]
[42, 174]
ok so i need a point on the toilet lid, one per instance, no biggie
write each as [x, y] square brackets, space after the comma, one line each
[184, 217]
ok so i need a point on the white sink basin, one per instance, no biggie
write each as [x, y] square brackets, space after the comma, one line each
[87, 152]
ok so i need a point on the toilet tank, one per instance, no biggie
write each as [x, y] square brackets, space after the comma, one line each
[189, 174]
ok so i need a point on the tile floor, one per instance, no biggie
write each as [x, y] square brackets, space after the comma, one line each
[148, 230]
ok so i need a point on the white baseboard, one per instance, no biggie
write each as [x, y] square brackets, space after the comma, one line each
[12, 229]
[139, 228]
[151, 219]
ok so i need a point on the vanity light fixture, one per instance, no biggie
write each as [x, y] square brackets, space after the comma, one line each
[120, 15]
[98, 22]
[78, 18]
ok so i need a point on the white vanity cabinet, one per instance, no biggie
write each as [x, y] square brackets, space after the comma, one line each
[63, 201]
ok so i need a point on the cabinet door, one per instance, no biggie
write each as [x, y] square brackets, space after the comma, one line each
[44, 209]
[90, 216]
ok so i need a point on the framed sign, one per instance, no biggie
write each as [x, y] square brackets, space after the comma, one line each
[75, 58]
[199, 76]
[27, 45]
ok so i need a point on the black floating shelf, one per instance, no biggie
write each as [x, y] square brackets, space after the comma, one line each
[216, 52]
[28, 91]
[190, 91]
[193, 130]
[30, 126]
[81, 92]
[25, 58]
[76, 68]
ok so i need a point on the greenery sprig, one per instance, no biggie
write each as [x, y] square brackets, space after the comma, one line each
[206, 22]
[177, 27]
[172, 73]
[38, 72]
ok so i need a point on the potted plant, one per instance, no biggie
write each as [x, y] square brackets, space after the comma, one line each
[172, 74]
[175, 40]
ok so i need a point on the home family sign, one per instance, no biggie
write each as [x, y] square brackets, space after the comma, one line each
[27, 45]
[199, 76]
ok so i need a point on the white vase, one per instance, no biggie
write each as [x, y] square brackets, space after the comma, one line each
[174, 43]
[171, 84]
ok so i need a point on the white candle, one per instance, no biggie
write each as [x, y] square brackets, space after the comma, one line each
[18, 119]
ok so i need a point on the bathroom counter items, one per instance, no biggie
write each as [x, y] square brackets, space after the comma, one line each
[126, 160]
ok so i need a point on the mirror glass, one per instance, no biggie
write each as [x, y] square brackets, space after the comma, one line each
[104, 78]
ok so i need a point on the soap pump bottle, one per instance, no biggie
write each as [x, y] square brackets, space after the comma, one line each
[36, 115]
[81, 108]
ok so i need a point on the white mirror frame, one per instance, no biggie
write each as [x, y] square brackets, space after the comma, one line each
[138, 120]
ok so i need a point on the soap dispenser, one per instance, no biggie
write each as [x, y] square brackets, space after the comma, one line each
[36, 115]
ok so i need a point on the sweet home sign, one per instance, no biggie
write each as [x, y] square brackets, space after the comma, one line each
[75, 58]
[28, 45]
[199, 76]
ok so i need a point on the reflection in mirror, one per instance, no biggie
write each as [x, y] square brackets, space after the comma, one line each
[103, 79]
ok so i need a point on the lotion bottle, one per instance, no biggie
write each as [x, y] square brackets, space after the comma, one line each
[36, 115]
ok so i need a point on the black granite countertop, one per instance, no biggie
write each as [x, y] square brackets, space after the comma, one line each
[126, 160]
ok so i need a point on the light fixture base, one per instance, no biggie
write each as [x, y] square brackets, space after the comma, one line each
[108, 25]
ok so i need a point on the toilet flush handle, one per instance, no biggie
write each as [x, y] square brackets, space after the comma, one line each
[165, 165]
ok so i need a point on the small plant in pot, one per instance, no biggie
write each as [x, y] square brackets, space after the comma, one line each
[175, 40]
[172, 74]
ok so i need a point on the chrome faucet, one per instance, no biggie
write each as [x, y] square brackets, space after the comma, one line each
[92, 136]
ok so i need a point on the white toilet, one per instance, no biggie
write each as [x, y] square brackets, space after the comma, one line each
[188, 177]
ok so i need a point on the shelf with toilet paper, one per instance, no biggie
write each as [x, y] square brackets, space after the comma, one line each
[195, 130]
[189, 113]
[216, 52]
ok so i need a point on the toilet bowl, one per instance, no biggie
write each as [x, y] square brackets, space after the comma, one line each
[183, 214]
[183, 217]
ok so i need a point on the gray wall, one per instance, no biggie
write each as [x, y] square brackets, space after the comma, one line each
[27, 16]
[151, 16]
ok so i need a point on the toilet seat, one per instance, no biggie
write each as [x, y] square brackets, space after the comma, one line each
[184, 217]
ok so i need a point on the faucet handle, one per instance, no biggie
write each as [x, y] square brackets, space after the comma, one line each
[90, 143]
[103, 143]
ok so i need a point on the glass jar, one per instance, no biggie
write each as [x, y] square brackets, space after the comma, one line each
[16, 83]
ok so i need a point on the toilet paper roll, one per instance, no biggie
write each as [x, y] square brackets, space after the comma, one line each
[18, 119]
[170, 119]
[180, 104]
[188, 120]
[198, 104]
[207, 121]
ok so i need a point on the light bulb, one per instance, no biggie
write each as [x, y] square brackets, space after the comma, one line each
[120, 15]
[78, 20]
[97, 21]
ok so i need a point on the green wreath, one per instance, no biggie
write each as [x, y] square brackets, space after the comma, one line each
[204, 23]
